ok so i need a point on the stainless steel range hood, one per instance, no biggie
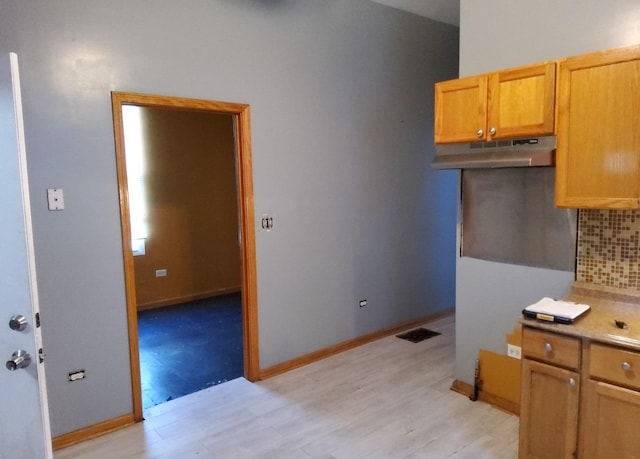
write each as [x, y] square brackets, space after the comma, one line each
[523, 152]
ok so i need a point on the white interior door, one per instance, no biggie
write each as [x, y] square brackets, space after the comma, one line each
[24, 418]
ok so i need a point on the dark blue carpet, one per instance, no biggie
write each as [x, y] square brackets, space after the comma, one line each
[189, 347]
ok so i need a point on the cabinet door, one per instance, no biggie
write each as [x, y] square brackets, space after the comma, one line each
[522, 101]
[598, 154]
[461, 110]
[548, 411]
[610, 422]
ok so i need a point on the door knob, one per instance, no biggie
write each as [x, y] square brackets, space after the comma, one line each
[18, 322]
[19, 359]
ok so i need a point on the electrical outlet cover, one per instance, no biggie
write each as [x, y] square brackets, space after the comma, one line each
[55, 198]
[514, 351]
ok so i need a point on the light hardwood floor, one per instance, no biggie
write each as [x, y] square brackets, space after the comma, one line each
[386, 399]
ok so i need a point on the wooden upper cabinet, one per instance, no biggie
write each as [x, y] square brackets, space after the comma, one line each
[598, 153]
[512, 103]
[522, 101]
[461, 110]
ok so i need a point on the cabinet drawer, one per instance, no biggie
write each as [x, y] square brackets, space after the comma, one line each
[551, 347]
[619, 366]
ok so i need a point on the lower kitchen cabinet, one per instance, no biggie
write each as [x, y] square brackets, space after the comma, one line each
[610, 422]
[548, 411]
[580, 398]
[550, 395]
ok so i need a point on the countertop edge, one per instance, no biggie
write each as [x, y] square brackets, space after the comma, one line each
[608, 305]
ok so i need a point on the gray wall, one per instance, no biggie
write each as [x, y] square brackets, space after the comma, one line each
[498, 34]
[341, 93]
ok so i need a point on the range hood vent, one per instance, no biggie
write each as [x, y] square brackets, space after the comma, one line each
[525, 152]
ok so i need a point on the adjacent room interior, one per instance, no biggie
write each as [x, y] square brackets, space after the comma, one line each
[183, 210]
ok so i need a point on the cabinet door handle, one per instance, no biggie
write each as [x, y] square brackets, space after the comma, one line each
[480, 133]
[571, 382]
[548, 347]
[492, 131]
[626, 366]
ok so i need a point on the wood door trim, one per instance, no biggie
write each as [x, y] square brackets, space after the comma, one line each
[241, 114]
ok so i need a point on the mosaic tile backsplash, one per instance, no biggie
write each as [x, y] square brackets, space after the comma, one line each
[609, 248]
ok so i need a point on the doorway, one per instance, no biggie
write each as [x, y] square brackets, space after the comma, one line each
[133, 232]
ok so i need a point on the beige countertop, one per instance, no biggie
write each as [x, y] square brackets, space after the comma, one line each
[607, 306]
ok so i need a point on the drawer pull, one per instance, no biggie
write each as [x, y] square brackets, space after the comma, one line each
[626, 366]
[572, 382]
[548, 347]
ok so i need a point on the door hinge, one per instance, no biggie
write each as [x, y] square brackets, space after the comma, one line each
[37, 320]
[41, 355]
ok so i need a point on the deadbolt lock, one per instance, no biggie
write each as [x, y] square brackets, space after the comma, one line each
[18, 322]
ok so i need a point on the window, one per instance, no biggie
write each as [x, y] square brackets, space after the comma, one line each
[134, 147]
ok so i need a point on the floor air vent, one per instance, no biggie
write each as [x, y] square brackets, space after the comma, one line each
[417, 335]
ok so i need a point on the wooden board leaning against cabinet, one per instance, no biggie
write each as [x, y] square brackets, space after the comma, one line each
[598, 153]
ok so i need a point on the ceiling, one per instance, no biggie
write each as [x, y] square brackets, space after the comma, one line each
[447, 11]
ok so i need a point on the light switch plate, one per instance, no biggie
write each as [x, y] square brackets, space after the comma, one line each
[55, 197]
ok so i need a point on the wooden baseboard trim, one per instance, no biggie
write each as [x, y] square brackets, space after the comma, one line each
[346, 345]
[495, 400]
[92, 431]
[186, 298]
[462, 388]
